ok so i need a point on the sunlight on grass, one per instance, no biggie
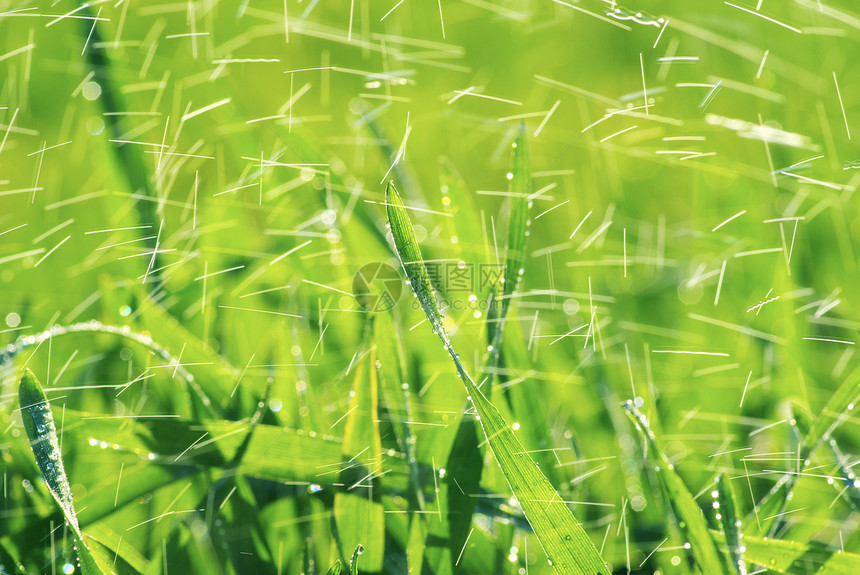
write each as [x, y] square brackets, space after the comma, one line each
[516, 288]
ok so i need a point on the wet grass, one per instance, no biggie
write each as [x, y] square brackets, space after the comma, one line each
[187, 192]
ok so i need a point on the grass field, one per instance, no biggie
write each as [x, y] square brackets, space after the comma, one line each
[512, 287]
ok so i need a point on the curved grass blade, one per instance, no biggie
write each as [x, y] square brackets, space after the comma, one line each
[783, 556]
[103, 535]
[125, 332]
[42, 433]
[730, 523]
[335, 569]
[353, 563]
[851, 487]
[564, 540]
[695, 526]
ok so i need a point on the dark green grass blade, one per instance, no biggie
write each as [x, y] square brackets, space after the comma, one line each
[694, 524]
[42, 433]
[129, 158]
[564, 540]
[730, 523]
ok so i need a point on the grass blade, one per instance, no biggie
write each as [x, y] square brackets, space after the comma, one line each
[782, 556]
[353, 563]
[42, 433]
[358, 510]
[765, 517]
[564, 540]
[335, 569]
[466, 461]
[728, 517]
[694, 524]
[519, 223]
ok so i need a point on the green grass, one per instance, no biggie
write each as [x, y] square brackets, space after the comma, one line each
[187, 191]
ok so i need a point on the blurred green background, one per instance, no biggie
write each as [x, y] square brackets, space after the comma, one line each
[245, 144]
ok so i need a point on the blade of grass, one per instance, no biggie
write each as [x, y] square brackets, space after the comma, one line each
[464, 223]
[8, 564]
[791, 557]
[689, 515]
[42, 433]
[397, 394]
[353, 563]
[358, 512]
[102, 534]
[128, 157]
[466, 460]
[518, 225]
[765, 519]
[565, 542]
[849, 478]
[730, 523]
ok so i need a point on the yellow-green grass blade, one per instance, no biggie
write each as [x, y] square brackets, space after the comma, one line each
[565, 542]
[358, 511]
[42, 433]
[792, 557]
[335, 569]
[690, 517]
